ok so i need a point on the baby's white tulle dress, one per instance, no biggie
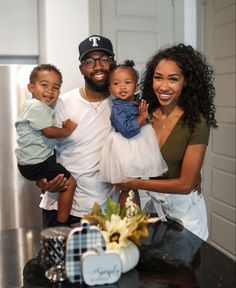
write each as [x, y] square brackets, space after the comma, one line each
[137, 157]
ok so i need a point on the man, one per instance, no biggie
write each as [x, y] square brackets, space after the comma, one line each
[90, 107]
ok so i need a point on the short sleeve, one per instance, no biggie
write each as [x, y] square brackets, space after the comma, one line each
[201, 133]
[40, 116]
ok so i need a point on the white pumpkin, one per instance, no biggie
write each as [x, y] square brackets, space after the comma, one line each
[101, 267]
[129, 256]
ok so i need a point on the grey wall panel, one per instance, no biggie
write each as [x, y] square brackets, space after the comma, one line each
[19, 198]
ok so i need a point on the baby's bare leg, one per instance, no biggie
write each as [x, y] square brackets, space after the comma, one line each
[65, 201]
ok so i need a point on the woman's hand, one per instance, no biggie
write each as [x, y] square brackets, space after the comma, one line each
[57, 184]
[127, 185]
[155, 185]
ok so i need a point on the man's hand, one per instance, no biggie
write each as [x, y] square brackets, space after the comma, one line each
[57, 184]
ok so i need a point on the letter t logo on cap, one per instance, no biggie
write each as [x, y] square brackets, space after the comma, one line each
[94, 40]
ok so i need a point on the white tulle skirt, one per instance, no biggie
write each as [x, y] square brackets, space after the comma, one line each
[123, 159]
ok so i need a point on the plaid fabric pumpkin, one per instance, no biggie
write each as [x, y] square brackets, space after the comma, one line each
[81, 239]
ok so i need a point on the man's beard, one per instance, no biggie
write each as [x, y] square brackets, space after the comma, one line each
[98, 87]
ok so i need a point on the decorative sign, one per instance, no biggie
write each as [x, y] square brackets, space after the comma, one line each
[80, 240]
[101, 267]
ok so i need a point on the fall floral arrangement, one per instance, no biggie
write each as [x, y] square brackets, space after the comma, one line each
[119, 225]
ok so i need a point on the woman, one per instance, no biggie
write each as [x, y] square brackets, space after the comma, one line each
[178, 85]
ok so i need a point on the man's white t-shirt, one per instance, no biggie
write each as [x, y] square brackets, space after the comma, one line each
[80, 152]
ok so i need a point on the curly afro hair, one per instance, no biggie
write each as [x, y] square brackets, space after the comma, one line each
[44, 67]
[198, 94]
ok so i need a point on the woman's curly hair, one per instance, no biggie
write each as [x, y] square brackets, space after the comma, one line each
[198, 92]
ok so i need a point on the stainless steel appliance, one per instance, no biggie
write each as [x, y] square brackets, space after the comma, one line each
[19, 198]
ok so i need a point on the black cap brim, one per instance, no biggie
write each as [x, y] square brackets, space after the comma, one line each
[96, 49]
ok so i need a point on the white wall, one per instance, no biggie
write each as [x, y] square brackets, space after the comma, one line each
[44, 31]
[190, 22]
[62, 25]
[18, 30]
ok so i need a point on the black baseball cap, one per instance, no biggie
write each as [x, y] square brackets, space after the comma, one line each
[94, 43]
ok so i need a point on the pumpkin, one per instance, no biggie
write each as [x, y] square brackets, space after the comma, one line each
[81, 239]
[101, 267]
[129, 256]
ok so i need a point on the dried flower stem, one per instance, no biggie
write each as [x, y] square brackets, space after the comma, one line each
[130, 205]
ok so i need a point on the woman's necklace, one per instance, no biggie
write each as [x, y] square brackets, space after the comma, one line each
[92, 104]
[163, 122]
[167, 121]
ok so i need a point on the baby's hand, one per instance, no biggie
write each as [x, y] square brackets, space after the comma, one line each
[143, 109]
[69, 125]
